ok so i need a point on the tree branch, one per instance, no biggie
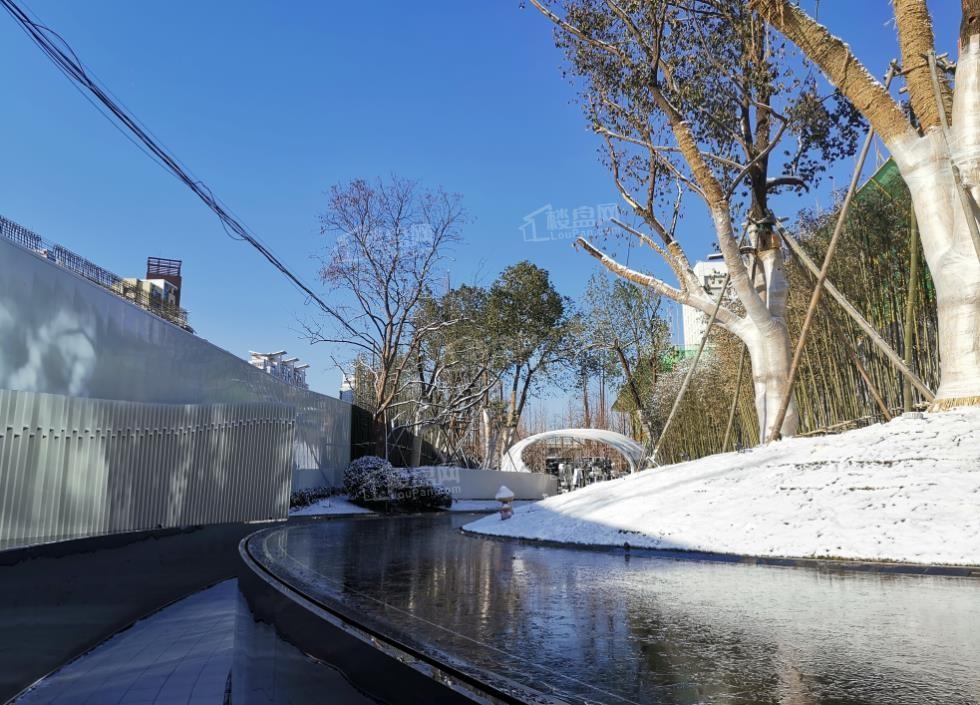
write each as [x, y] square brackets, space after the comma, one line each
[725, 317]
[838, 63]
[572, 29]
[915, 38]
[674, 256]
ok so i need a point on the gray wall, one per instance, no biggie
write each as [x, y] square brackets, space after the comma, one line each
[76, 467]
[472, 483]
[63, 335]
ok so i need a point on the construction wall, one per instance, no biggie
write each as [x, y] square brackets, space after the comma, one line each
[64, 336]
[76, 467]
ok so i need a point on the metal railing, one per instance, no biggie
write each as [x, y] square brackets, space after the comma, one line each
[109, 281]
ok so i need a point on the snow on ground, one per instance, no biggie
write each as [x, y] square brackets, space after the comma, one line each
[481, 505]
[908, 490]
[338, 504]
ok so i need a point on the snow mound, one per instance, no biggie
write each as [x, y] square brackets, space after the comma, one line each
[907, 491]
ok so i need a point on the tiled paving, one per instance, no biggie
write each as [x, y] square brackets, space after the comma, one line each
[180, 655]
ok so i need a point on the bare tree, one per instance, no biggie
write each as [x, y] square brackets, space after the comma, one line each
[937, 150]
[624, 321]
[389, 239]
[694, 96]
[456, 366]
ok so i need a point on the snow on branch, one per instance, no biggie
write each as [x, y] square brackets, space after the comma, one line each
[725, 317]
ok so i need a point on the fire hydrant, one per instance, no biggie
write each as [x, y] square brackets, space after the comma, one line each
[506, 498]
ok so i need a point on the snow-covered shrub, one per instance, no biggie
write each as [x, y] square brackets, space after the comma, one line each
[417, 493]
[373, 481]
[369, 479]
[304, 498]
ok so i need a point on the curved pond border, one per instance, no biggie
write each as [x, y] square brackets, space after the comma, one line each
[378, 664]
[825, 564]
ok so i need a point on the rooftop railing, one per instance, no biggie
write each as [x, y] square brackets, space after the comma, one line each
[109, 281]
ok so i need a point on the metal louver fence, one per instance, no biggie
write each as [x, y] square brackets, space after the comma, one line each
[73, 467]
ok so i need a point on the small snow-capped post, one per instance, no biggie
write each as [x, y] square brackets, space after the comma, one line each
[506, 498]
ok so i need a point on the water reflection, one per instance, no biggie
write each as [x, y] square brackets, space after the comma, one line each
[269, 671]
[595, 627]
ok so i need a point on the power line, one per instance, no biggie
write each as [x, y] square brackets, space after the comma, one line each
[54, 46]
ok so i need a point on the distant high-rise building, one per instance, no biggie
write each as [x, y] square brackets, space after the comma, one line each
[285, 369]
[711, 274]
[347, 390]
[159, 291]
[161, 271]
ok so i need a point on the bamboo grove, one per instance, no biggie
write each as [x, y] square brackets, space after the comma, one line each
[844, 381]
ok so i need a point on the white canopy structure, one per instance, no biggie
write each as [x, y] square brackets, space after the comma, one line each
[627, 447]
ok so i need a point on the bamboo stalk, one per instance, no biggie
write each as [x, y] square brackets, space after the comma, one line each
[910, 305]
[860, 320]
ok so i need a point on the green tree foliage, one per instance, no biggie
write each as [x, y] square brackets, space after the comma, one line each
[731, 79]
[531, 322]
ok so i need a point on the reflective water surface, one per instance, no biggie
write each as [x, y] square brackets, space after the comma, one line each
[606, 628]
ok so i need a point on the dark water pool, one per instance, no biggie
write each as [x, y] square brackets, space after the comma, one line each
[594, 627]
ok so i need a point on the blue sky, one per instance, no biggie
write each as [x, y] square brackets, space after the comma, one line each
[271, 103]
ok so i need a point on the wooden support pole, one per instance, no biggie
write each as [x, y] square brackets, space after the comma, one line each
[738, 389]
[861, 321]
[690, 370]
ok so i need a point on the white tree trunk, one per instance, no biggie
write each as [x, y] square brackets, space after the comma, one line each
[490, 434]
[771, 354]
[416, 448]
[946, 241]
[768, 344]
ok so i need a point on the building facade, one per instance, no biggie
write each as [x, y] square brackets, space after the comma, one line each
[286, 369]
[711, 274]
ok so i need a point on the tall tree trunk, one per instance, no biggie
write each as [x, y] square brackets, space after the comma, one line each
[603, 422]
[490, 437]
[510, 435]
[946, 240]
[926, 163]
[380, 431]
[416, 458]
[416, 451]
[587, 416]
[770, 354]
[958, 286]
